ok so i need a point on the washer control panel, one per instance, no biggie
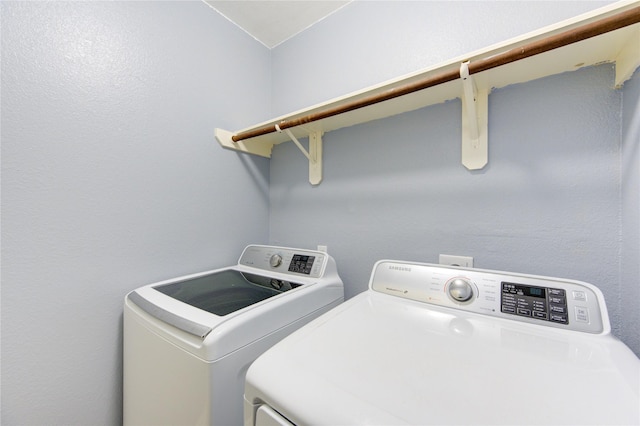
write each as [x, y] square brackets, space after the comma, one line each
[546, 301]
[285, 260]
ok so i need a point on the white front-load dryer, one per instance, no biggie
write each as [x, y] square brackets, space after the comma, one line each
[434, 345]
[188, 341]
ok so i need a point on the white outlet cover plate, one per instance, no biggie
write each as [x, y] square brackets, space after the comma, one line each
[451, 260]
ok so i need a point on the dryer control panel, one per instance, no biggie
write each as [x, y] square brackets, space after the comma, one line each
[309, 263]
[543, 303]
[554, 302]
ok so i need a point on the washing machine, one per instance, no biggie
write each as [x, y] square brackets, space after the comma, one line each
[188, 341]
[434, 345]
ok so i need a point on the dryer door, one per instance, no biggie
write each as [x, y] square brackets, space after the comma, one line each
[267, 416]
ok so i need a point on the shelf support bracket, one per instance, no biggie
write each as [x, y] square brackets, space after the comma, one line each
[628, 59]
[475, 114]
[314, 155]
[224, 138]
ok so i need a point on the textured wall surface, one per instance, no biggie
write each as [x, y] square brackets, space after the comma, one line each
[111, 179]
[548, 203]
[396, 186]
[629, 283]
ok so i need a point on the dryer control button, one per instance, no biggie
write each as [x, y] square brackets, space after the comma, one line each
[580, 296]
[460, 290]
[582, 314]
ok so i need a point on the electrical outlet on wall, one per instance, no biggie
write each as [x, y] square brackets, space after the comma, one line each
[464, 261]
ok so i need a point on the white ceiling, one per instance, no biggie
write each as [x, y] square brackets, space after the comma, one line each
[273, 21]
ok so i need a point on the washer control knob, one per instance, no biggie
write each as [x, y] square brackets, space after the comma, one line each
[460, 290]
[275, 261]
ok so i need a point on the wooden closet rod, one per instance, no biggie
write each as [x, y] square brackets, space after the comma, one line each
[593, 29]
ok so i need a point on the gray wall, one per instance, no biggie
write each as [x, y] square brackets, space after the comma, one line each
[111, 179]
[630, 265]
[548, 203]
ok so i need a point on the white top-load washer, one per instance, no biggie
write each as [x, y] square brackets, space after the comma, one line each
[434, 345]
[188, 341]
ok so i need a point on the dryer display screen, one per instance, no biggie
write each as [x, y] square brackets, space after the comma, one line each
[547, 304]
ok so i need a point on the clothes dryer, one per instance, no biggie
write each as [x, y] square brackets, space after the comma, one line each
[434, 345]
[188, 341]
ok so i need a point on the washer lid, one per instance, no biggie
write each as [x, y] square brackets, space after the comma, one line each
[220, 293]
[224, 292]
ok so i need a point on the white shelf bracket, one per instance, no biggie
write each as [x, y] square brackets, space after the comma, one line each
[475, 114]
[628, 59]
[224, 138]
[314, 155]
[315, 167]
